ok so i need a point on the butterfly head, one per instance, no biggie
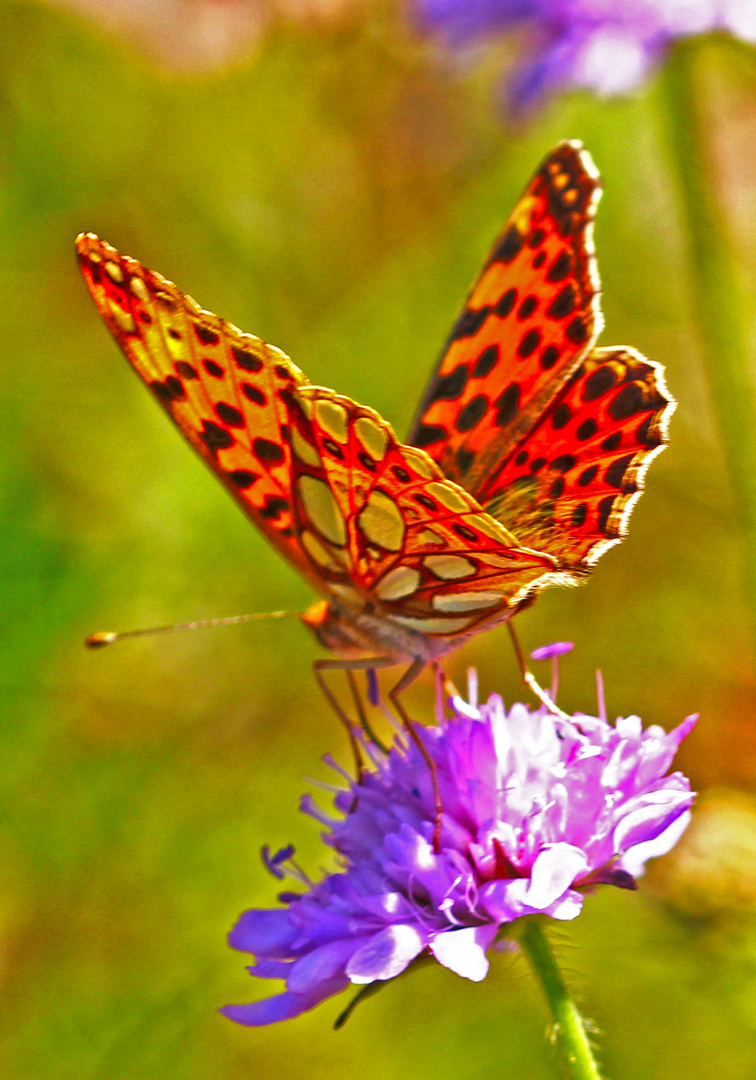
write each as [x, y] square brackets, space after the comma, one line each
[333, 630]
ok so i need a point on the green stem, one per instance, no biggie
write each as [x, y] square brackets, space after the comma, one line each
[716, 292]
[569, 1028]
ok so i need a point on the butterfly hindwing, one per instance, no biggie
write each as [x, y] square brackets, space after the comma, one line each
[386, 528]
[530, 318]
[571, 483]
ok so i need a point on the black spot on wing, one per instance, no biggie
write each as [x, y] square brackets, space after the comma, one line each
[187, 371]
[627, 402]
[509, 247]
[243, 478]
[465, 533]
[579, 514]
[266, 451]
[549, 357]
[615, 474]
[648, 433]
[172, 389]
[205, 334]
[449, 387]
[529, 342]
[366, 461]
[229, 414]
[587, 429]
[469, 323]
[563, 303]
[253, 394]
[527, 307]
[274, 507]
[561, 416]
[213, 369]
[486, 362]
[599, 382]
[333, 449]
[605, 509]
[245, 360]
[560, 267]
[472, 414]
[611, 442]
[215, 437]
[507, 403]
[506, 302]
[429, 433]
[577, 330]
[464, 459]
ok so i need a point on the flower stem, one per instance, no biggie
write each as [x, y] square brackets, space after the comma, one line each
[569, 1028]
[716, 293]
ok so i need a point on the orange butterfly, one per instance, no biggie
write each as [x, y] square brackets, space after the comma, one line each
[521, 469]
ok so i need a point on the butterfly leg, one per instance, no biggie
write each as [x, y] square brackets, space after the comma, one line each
[409, 677]
[319, 666]
[359, 764]
[361, 714]
[529, 678]
[445, 688]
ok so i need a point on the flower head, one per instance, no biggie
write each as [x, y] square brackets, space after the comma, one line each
[536, 808]
[599, 44]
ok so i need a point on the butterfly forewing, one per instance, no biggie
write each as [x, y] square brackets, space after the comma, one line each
[360, 515]
[223, 388]
[531, 316]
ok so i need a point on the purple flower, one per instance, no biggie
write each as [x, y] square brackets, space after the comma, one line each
[551, 652]
[599, 44]
[536, 809]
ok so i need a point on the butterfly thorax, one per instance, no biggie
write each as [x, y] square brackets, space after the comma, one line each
[369, 633]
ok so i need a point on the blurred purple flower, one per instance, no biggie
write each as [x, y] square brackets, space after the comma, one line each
[551, 652]
[536, 809]
[599, 44]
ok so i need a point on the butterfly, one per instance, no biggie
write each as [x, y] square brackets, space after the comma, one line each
[521, 468]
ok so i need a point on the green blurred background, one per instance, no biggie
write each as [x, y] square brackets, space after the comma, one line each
[333, 188]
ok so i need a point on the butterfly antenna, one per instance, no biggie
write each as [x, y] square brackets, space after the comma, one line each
[107, 637]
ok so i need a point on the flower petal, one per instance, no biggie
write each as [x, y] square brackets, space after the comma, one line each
[566, 907]
[386, 954]
[282, 1006]
[322, 964]
[264, 932]
[464, 951]
[634, 861]
[554, 870]
[271, 969]
[650, 820]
